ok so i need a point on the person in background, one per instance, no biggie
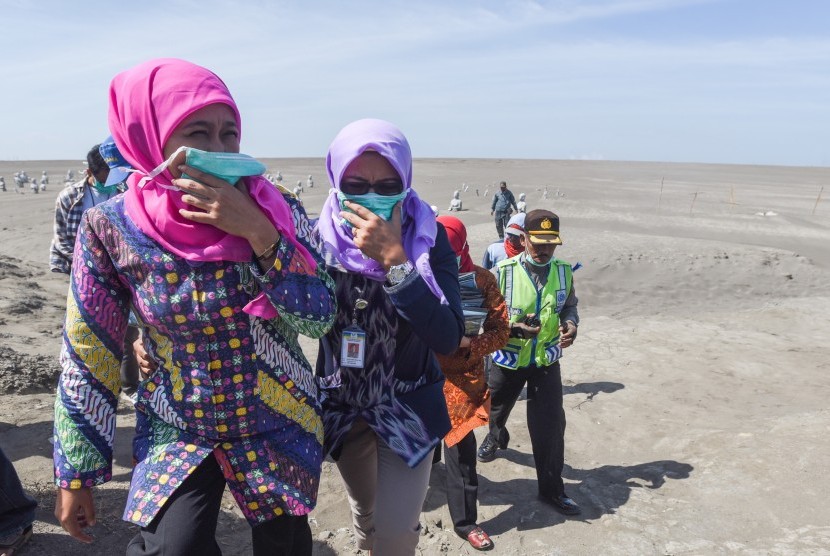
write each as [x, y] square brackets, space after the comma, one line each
[502, 206]
[509, 247]
[542, 305]
[398, 303]
[17, 510]
[219, 269]
[105, 178]
[466, 393]
[98, 185]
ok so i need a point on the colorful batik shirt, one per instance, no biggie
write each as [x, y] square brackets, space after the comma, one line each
[228, 383]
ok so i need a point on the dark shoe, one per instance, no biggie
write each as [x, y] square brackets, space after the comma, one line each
[479, 540]
[487, 450]
[11, 544]
[562, 504]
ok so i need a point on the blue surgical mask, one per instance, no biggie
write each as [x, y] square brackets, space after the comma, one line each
[229, 167]
[382, 205]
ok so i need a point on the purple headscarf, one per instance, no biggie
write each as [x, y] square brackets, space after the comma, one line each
[418, 220]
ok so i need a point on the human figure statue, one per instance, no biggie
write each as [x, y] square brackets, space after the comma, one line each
[279, 177]
[70, 175]
[521, 206]
[310, 182]
[455, 203]
[299, 186]
[2, 184]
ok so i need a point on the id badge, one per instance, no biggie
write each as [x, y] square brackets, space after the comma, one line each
[353, 347]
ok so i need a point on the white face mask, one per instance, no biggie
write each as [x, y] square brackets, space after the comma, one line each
[229, 167]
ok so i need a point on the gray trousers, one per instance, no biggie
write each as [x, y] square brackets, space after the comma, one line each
[385, 495]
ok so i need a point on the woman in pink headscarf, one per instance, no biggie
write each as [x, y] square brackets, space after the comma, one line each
[220, 270]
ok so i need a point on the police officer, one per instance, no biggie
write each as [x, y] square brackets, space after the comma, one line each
[542, 308]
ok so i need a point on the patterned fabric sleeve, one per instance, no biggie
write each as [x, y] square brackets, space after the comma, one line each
[304, 298]
[496, 327]
[96, 322]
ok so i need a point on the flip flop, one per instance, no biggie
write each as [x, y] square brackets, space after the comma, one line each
[479, 540]
[11, 548]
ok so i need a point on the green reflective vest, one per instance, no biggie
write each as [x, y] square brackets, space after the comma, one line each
[522, 298]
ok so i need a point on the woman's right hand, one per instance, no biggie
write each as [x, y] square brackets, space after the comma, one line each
[75, 510]
[146, 365]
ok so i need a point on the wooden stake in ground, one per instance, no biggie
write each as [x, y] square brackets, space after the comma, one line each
[820, 191]
[660, 198]
[732, 202]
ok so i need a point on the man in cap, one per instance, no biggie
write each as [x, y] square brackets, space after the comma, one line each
[105, 177]
[510, 246]
[100, 183]
[542, 308]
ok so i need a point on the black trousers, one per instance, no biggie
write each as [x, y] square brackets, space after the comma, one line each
[501, 222]
[545, 418]
[186, 525]
[129, 364]
[17, 509]
[462, 484]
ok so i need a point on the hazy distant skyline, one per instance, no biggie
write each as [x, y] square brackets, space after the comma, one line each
[724, 81]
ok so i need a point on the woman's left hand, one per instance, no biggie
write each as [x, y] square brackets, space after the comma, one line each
[229, 208]
[375, 237]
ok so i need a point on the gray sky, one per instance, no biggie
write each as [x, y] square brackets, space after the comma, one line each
[733, 81]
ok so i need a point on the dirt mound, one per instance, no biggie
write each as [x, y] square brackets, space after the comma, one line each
[26, 374]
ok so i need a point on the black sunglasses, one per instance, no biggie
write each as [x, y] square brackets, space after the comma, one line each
[352, 186]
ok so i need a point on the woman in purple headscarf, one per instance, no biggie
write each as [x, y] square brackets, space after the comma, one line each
[396, 282]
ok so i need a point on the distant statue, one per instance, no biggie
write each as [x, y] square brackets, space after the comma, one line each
[19, 183]
[70, 175]
[455, 203]
[299, 186]
[464, 187]
[310, 182]
[521, 206]
[297, 191]
[279, 177]
[477, 193]
[545, 193]
[2, 184]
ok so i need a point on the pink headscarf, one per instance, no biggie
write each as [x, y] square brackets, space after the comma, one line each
[146, 105]
[417, 219]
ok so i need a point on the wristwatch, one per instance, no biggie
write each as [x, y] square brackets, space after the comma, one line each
[398, 273]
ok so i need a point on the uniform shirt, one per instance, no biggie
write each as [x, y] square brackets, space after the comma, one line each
[502, 201]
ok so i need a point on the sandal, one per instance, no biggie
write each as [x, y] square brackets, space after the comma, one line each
[10, 545]
[479, 540]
